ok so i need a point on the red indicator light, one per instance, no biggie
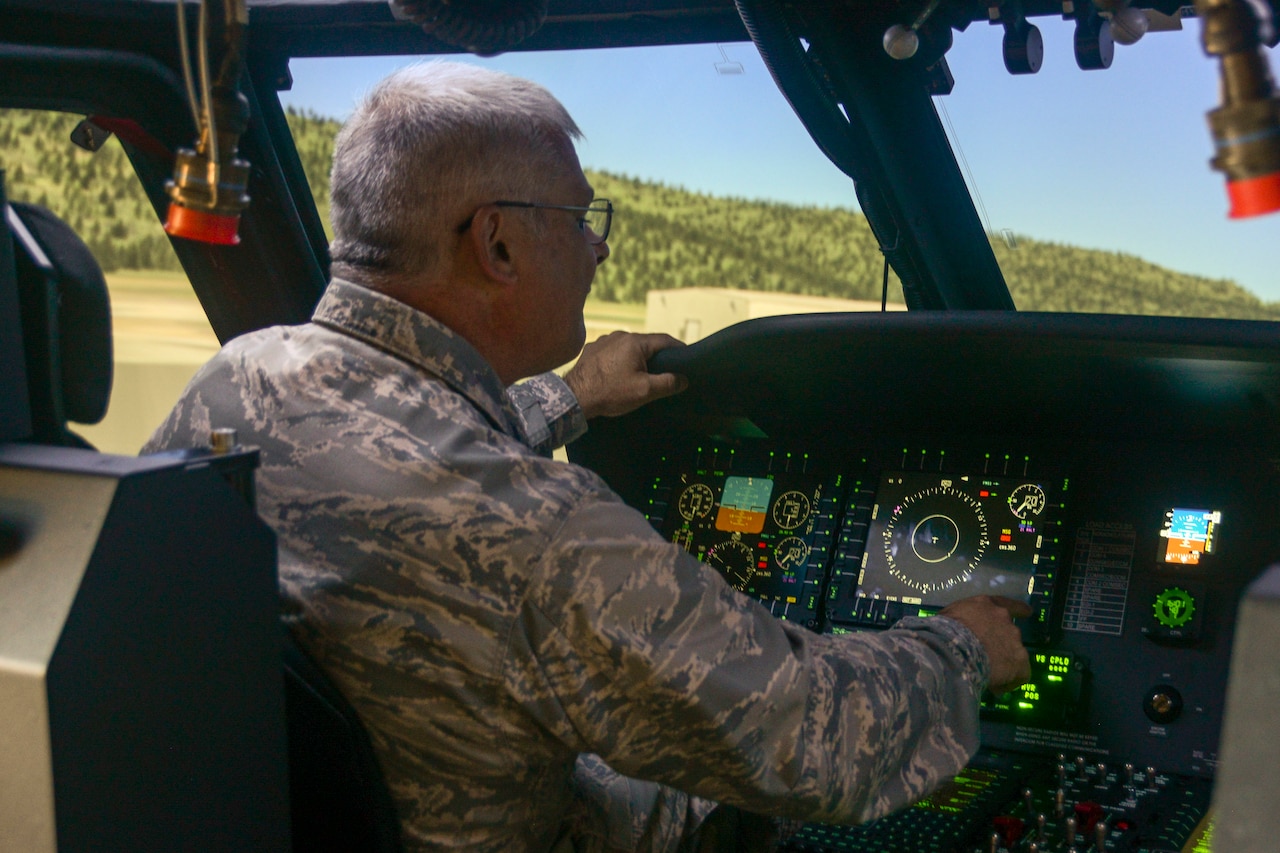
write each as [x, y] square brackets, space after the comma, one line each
[1005, 537]
[763, 564]
[761, 545]
[984, 494]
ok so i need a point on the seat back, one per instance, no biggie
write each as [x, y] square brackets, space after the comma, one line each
[338, 799]
[66, 324]
[15, 410]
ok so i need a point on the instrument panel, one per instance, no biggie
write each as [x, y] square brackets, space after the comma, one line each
[1119, 584]
[1132, 568]
[1120, 475]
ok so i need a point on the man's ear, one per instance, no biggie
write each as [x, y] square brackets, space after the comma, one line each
[489, 235]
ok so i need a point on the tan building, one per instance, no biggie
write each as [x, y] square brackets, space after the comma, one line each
[693, 313]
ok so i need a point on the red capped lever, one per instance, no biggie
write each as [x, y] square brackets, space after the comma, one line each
[1087, 816]
[1009, 828]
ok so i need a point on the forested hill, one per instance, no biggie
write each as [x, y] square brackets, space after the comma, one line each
[97, 194]
[664, 237]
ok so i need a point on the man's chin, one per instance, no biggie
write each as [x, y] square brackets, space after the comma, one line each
[568, 355]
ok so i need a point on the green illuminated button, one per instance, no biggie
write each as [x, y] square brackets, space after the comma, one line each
[1174, 607]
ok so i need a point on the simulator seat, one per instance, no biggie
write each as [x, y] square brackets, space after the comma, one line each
[338, 800]
[66, 325]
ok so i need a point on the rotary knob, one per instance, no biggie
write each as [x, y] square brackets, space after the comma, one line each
[1163, 704]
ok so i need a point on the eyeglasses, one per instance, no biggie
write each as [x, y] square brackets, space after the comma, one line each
[597, 217]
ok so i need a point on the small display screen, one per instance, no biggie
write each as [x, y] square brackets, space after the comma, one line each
[744, 504]
[934, 539]
[1048, 699]
[960, 791]
[1188, 535]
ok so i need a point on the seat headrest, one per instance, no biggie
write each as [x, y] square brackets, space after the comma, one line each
[83, 313]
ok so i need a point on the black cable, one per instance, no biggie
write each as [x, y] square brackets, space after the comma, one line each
[485, 27]
[884, 287]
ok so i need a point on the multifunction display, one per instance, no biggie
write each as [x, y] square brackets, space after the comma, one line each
[934, 539]
[769, 534]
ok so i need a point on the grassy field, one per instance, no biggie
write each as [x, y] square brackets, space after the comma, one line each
[605, 317]
[162, 337]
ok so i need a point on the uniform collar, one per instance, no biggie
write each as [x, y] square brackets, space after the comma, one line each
[419, 339]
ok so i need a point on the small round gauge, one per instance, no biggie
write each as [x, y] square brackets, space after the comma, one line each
[935, 538]
[791, 553]
[791, 509]
[733, 559]
[1027, 500]
[696, 501]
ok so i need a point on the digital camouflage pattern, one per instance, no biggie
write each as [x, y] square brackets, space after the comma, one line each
[494, 614]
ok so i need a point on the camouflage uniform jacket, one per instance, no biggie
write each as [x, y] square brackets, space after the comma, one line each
[493, 613]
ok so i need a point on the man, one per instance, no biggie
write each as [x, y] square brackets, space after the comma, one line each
[498, 618]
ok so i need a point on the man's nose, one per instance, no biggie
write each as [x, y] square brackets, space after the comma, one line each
[602, 252]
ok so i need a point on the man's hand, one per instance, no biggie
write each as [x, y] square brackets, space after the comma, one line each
[991, 618]
[611, 377]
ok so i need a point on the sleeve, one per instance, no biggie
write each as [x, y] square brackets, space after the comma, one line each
[641, 654]
[548, 411]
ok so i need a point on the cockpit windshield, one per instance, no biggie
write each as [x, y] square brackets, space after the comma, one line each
[1093, 186]
[725, 208]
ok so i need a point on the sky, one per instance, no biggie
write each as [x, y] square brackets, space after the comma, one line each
[1115, 159]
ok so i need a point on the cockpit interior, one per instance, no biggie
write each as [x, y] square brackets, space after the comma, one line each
[1118, 471]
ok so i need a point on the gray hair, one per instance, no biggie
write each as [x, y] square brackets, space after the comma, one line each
[423, 149]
